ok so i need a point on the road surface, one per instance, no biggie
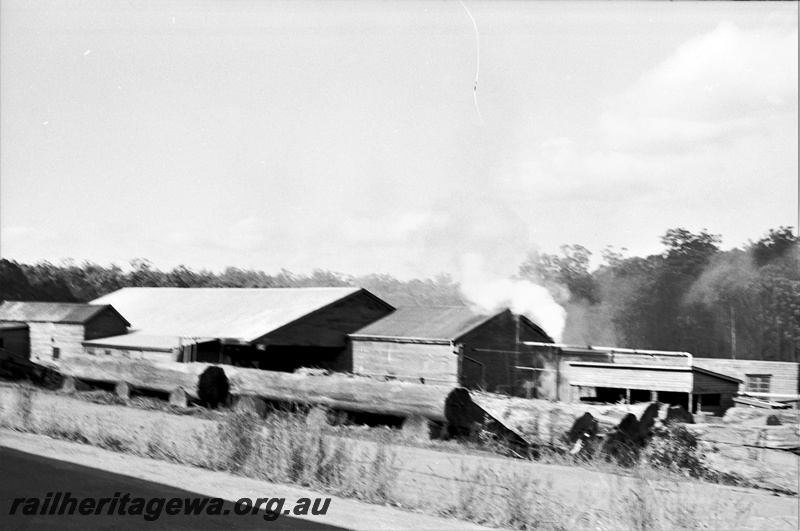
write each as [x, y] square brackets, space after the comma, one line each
[24, 475]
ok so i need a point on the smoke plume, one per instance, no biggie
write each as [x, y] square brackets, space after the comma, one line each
[490, 289]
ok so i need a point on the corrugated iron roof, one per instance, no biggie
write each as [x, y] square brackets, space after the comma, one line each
[441, 322]
[243, 314]
[140, 341]
[49, 312]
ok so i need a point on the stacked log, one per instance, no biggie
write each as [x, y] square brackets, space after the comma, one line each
[336, 391]
[772, 437]
[748, 416]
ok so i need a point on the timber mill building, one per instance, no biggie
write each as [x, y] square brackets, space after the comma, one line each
[445, 345]
[279, 329]
[352, 330]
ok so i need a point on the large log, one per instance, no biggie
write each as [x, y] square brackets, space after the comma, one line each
[337, 391]
[151, 376]
[344, 392]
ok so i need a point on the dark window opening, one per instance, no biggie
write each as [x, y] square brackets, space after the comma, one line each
[711, 400]
[56, 353]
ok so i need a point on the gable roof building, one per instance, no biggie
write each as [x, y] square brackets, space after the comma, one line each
[52, 330]
[243, 315]
[444, 345]
[276, 328]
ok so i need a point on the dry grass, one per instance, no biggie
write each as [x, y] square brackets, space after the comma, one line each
[652, 504]
[293, 447]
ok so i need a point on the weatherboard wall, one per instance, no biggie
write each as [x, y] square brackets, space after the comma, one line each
[644, 378]
[105, 324]
[783, 375]
[403, 359]
[46, 337]
[492, 349]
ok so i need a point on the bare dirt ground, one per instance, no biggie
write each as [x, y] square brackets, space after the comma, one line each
[342, 512]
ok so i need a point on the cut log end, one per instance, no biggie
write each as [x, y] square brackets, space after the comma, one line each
[122, 390]
[251, 405]
[179, 398]
[416, 428]
[213, 387]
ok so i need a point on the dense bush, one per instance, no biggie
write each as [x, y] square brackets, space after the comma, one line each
[675, 448]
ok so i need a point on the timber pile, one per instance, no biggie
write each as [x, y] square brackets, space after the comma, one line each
[747, 416]
[773, 437]
[752, 401]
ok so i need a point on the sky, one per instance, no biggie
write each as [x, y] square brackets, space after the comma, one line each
[352, 137]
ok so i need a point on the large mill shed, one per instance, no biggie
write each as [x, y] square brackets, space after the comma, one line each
[445, 345]
[55, 330]
[278, 329]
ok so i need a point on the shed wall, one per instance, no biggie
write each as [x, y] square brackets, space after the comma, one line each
[406, 360]
[134, 354]
[494, 345]
[706, 384]
[567, 373]
[106, 324]
[45, 336]
[784, 374]
[330, 326]
[624, 378]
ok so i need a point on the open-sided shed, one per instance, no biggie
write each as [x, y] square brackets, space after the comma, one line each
[445, 345]
[277, 329]
[609, 374]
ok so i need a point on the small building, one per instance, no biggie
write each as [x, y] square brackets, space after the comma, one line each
[158, 348]
[54, 330]
[775, 379]
[610, 374]
[446, 346]
[279, 329]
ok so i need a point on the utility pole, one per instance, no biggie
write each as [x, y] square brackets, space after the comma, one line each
[516, 354]
[733, 330]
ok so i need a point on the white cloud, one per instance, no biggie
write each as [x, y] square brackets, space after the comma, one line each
[728, 83]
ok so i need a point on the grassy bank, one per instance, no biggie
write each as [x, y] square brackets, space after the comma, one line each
[295, 448]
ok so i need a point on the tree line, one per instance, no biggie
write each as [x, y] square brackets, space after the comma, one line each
[694, 297]
[72, 282]
[742, 303]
